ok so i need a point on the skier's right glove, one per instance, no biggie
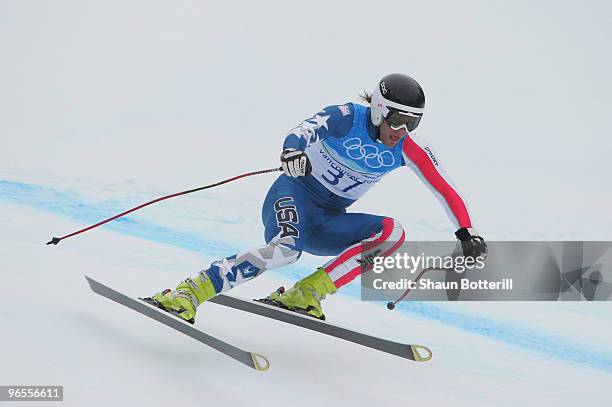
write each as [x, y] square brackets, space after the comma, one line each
[472, 245]
[295, 163]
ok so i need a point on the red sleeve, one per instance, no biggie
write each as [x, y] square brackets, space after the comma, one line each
[431, 172]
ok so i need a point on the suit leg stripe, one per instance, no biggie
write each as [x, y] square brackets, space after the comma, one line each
[346, 266]
[350, 276]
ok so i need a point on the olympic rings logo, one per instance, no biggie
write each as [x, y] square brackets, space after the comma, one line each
[369, 153]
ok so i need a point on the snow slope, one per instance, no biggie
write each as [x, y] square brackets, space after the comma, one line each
[61, 333]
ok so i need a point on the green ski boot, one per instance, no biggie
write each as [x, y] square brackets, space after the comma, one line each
[306, 295]
[187, 296]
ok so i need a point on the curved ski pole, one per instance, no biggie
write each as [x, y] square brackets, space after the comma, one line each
[56, 240]
[391, 305]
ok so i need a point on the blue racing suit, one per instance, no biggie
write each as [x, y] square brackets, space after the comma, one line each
[309, 213]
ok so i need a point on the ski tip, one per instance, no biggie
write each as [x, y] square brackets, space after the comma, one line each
[260, 362]
[419, 356]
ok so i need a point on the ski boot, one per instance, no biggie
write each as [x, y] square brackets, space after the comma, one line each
[184, 300]
[305, 296]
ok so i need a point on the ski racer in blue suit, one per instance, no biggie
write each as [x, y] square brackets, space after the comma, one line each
[329, 161]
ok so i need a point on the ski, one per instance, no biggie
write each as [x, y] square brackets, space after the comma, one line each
[407, 351]
[251, 359]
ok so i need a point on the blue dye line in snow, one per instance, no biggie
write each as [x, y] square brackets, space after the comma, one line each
[512, 334]
[78, 209]
[81, 210]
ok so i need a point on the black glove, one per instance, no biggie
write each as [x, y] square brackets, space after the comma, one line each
[472, 245]
[295, 163]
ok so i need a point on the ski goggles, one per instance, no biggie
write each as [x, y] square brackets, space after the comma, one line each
[398, 119]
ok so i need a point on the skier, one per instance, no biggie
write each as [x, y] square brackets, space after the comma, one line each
[330, 161]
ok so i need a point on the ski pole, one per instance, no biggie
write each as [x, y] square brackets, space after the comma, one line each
[56, 240]
[391, 305]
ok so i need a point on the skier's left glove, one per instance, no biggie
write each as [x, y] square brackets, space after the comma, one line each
[473, 246]
[295, 163]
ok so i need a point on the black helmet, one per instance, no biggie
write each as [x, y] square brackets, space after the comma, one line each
[399, 99]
